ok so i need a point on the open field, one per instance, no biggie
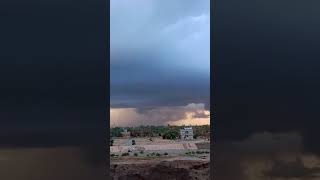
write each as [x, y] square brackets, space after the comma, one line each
[158, 145]
[155, 140]
[160, 159]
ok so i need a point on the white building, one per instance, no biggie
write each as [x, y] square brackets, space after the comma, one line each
[125, 133]
[186, 133]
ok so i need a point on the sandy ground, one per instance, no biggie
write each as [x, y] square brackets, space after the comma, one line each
[177, 165]
[155, 140]
[160, 168]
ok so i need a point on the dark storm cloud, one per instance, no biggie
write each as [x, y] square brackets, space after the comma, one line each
[159, 53]
[145, 83]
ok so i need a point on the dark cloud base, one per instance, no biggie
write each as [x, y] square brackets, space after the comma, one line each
[162, 115]
[148, 68]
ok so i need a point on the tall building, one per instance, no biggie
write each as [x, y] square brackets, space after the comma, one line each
[186, 133]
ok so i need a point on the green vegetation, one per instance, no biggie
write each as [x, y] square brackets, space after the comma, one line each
[202, 152]
[190, 153]
[171, 134]
[157, 131]
[153, 154]
[116, 132]
[135, 154]
[125, 154]
[141, 152]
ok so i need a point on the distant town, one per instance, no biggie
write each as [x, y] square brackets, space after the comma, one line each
[162, 140]
[136, 149]
[166, 132]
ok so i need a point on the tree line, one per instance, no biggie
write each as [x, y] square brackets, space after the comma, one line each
[166, 132]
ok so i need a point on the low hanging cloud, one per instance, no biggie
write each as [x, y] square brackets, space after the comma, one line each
[160, 54]
[191, 114]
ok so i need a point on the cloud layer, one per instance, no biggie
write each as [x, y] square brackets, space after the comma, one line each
[160, 53]
[192, 114]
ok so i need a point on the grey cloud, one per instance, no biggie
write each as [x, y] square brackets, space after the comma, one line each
[144, 83]
[153, 67]
[200, 115]
[156, 115]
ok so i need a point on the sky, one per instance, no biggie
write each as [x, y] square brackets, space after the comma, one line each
[160, 62]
